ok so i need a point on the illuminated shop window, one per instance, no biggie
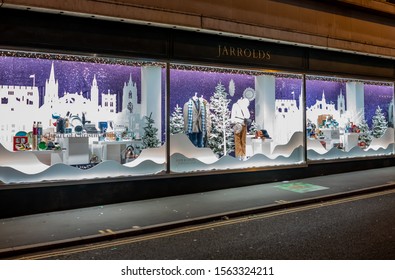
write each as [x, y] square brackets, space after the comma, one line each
[102, 117]
[229, 119]
[357, 119]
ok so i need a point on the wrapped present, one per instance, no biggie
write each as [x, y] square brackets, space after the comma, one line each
[20, 143]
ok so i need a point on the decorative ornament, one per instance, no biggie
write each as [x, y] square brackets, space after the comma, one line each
[232, 87]
[249, 93]
[42, 146]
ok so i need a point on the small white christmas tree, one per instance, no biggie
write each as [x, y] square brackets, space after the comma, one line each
[379, 123]
[150, 138]
[365, 135]
[177, 121]
[221, 136]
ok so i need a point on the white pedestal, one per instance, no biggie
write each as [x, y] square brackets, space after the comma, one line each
[76, 149]
[331, 137]
[111, 150]
[350, 141]
[329, 143]
[330, 133]
[267, 146]
[249, 149]
[256, 146]
[261, 146]
[49, 157]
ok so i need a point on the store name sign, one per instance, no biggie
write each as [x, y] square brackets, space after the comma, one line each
[230, 51]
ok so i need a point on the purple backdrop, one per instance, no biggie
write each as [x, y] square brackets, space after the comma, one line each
[314, 89]
[288, 88]
[72, 76]
[375, 95]
[184, 84]
[77, 77]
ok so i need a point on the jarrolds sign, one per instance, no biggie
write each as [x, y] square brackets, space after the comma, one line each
[203, 47]
[232, 51]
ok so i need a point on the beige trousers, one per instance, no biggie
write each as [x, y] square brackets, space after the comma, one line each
[240, 142]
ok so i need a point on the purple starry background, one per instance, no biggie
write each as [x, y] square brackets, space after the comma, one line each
[331, 89]
[375, 95]
[184, 84]
[288, 88]
[77, 77]
[72, 76]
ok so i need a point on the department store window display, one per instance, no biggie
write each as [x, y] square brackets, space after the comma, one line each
[233, 119]
[348, 118]
[66, 117]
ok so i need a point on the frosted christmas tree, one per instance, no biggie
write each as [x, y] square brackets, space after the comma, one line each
[177, 121]
[150, 138]
[365, 135]
[221, 138]
[379, 123]
[253, 128]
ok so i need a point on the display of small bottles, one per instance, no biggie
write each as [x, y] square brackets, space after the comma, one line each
[36, 134]
[39, 131]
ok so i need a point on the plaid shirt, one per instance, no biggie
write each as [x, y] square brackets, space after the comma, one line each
[197, 114]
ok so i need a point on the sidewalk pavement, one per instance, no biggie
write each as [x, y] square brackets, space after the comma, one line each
[33, 233]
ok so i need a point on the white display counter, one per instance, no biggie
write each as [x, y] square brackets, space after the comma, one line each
[350, 141]
[49, 157]
[258, 146]
[330, 133]
[111, 150]
[76, 149]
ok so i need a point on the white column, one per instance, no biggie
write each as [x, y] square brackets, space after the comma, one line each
[151, 95]
[355, 101]
[265, 102]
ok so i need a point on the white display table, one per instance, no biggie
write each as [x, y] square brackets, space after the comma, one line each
[111, 150]
[249, 151]
[76, 149]
[261, 146]
[330, 133]
[329, 143]
[350, 141]
[49, 157]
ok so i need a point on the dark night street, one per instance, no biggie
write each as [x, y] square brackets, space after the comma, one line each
[360, 227]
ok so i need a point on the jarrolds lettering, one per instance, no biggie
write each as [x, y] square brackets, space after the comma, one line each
[243, 52]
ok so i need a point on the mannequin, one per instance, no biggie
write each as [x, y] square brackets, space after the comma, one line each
[239, 114]
[195, 120]
[208, 120]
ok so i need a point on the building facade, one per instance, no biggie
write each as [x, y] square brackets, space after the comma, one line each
[110, 84]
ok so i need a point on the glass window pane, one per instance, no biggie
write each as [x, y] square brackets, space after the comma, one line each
[348, 118]
[230, 119]
[84, 117]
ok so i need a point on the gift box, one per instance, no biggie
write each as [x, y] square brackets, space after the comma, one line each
[20, 143]
[322, 118]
